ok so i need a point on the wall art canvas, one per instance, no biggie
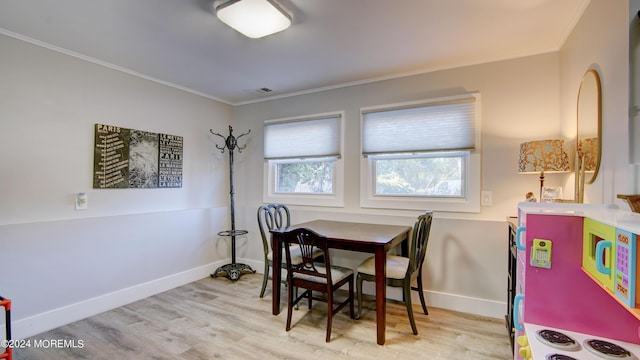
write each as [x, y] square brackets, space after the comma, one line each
[170, 161]
[143, 159]
[129, 158]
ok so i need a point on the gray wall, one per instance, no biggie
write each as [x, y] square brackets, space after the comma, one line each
[58, 264]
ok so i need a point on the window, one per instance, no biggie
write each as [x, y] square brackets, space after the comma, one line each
[304, 176]
[422, 155]
[303, 161]
[431, 174]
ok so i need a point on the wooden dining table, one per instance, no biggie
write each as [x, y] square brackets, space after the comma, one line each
[377, 239]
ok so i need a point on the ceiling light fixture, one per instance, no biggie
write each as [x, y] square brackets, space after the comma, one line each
[253, 18]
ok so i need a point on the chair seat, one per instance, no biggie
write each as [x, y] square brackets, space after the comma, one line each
[296, 256]
[396, 266]
[337, 274]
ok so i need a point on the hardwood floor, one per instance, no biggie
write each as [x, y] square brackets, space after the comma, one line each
[220, 319]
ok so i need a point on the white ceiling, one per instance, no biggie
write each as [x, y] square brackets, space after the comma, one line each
[330, 43]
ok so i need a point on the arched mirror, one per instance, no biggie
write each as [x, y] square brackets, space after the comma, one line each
[589, 140]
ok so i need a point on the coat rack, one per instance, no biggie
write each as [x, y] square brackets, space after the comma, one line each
[234, 270]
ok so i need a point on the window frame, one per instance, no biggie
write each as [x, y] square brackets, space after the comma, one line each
[336, 199]
[470, 203]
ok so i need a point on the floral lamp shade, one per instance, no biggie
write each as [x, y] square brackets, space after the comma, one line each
[542, 156]
[587, 150]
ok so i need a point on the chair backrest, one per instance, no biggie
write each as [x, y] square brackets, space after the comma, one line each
[419, 241]
[309, 242]
[270, 217]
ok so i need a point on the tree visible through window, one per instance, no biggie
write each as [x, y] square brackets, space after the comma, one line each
[419, 176]
[305, 177]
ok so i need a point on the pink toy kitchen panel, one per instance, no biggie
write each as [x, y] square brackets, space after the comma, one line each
[564, 296]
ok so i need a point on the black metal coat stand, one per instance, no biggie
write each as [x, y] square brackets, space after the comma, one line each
[234, 270]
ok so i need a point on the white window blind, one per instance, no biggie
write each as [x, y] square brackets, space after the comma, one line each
[435, 126]
[307, 138]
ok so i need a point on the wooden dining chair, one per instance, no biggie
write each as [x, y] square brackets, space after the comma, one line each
[270, 217]
[274, 217]
[402, 271]
[313, 276]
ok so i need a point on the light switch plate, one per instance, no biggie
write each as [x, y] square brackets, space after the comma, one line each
[486, 198]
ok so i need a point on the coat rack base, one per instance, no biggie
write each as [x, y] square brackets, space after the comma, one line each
[234, 270]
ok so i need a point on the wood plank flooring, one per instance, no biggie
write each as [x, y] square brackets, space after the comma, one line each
[220, 319]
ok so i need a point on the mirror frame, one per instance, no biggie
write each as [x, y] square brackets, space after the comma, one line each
[582, 97]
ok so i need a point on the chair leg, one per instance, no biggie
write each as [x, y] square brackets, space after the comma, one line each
[407, 295]
[351, 310]
[328, 338]
[290, 302]
[359, 295]
[265, 278]
[329, 315]
[421, 294]
[295, 292]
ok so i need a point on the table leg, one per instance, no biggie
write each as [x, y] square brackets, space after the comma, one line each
[275, 277]
[381, 293]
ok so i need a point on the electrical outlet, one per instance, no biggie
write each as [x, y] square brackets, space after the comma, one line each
[486, 198]
[82, 202]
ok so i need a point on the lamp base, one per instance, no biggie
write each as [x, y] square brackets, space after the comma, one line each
[541, 185]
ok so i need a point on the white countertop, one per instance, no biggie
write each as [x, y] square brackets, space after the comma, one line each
[607, 214]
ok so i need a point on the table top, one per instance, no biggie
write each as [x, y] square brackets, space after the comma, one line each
[351, 231]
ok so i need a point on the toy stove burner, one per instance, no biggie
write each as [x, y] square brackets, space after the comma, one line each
[607, 350]
[557, 340]
[559, 357]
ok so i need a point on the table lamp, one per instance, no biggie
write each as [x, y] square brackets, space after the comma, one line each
[542, 156]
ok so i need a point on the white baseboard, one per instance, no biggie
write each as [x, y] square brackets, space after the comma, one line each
[466, 304]
[454, 302]
[256, 265]
[52, 319]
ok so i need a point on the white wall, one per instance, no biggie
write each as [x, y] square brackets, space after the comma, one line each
[600, 41]
[58, 264]
[466, 262]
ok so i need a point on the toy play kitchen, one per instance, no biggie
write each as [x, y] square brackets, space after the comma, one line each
[576, 294]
